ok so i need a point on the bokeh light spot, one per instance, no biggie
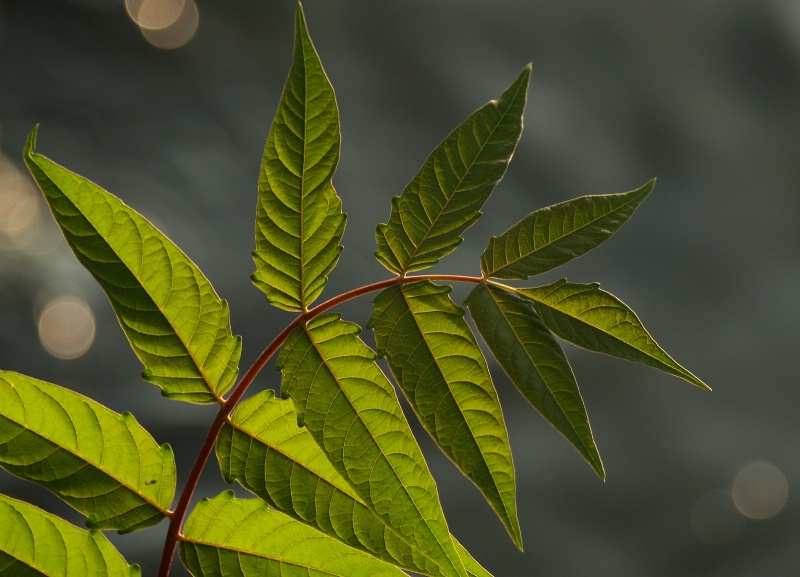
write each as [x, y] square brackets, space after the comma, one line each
[154, 14]
[760, 490]
[19, 208]
[66, 327]
[179, 32]
[715, 520]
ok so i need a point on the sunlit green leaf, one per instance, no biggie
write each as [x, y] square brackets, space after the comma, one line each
[102, 463]
[535, 363]
[597, 321]
[299, 221]
[175, 322]
[474, 569]
[269, 454]
[34, 543]
[556, 234]
[352, 411]
[441, 370]
[226, 537]
[445, 198]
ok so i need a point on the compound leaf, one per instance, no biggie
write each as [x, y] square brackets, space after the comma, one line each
[226, 536]
[176, 324]
[102, 463]
[445, 198]
[352, 411]
[264, 449]
[299, 220]
[535, 363]
[440, 368]
[556, 234]
[591, 318]
[35, 543]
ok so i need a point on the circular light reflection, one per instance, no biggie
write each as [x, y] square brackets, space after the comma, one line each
[760, 490]
[154, 14]
[179, 32]
[19, 207]
[66, 327]
[715, 520]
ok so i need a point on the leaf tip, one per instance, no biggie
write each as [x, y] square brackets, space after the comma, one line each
[690, 378]
[525, 75]
[30, 143]
[301, 27]
[592, 457]
[649, 186]
[600, 470]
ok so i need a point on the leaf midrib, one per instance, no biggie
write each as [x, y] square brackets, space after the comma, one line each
[350, 493]
[554, 240]
[324, 360]
[82, 458]
[239, 550]
[535, 366]
[413, 254]
[190, 354]
[609, 335]
[303, 304]
[241, 428]
[460, 409]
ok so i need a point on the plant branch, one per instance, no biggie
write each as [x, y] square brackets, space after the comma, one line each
[227, 405]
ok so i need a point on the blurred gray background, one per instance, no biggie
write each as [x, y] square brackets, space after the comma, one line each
[703, 94]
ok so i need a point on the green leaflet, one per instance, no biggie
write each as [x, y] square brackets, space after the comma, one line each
[437, 363]
[226, 536]
[175, 322]
[474, 569]
[597, 321]
[556, 234]
[270, 455]
[299, 220]
[35, 543]
[352, 411]
[102, 463]
[445, 198]
[535, 363]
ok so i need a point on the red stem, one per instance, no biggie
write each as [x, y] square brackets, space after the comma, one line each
[227, 405]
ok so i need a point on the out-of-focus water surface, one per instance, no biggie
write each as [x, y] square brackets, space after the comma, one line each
[703, 95]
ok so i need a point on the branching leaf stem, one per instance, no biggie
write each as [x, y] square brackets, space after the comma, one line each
[177, 515]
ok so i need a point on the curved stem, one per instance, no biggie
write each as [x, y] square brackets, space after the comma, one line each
[227, 405]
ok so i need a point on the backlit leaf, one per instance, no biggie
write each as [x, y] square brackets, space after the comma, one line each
[227, 537]
[597, 321]
[556, 234]
[352, 411]
[535, 363]
[35, 543]
[102, 463]
[299, 220]
[175, 322]
[270, 455]
[474, 569]
[445, 198]
[441, 370]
